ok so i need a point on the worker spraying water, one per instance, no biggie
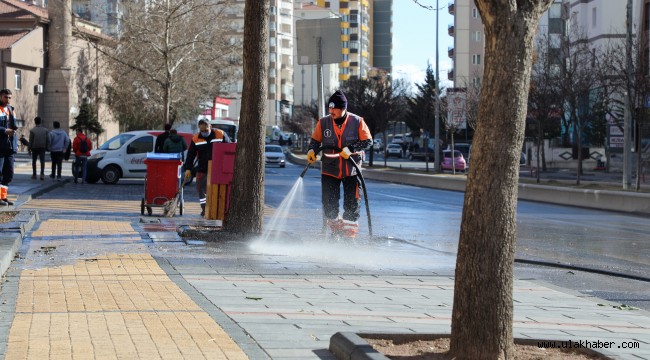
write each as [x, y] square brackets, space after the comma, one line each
[341, 136]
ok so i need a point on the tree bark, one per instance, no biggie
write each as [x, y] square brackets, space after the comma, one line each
[246, 215]
[483, 310]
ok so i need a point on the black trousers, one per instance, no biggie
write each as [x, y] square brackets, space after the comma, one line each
[331, 195]
[57, 163]
[40, 155]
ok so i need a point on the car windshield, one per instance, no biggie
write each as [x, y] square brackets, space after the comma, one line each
[273, 148]
[116, 142]
[448, 154]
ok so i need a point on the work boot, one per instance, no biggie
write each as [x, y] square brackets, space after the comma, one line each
[7, 202]
[350, 229]
[335, 225]
[202, 210]
[33, 176]
[42, 176]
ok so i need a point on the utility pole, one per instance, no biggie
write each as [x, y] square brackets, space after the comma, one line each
[436, 146]
[627, 122]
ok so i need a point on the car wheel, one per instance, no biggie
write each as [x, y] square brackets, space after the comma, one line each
[281, 166]
[110, 174]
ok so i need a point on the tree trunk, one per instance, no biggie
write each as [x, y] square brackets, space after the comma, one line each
[246, 215]
[482, 315]
[543, 158]
[639, 152]
[579, 137]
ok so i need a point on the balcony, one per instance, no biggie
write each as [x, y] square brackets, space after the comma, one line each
[450, 52]
[451, 8]
[450, 30]
[450, 75]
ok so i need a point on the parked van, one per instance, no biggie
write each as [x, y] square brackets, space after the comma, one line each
[123, 156]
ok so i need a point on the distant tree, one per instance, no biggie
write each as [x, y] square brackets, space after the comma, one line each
[634, 84]
[87, 121]
[377, 99]
[167, 60]
[421, 107]
[544, 97]
[581, 85]
[246, 215]
[482, 316]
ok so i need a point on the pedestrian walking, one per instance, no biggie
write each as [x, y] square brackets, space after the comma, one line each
[347, 133]
[160, 139]
[8, 144]
[39, 142]
[81, 147]
[201, 149]
[59, 141]
[175, 144]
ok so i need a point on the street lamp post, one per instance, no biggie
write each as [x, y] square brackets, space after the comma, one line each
[436, 146]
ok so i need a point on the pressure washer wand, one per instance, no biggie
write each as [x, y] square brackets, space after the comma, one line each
[302, 174]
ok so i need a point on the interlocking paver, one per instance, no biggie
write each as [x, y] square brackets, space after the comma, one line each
[119, 306]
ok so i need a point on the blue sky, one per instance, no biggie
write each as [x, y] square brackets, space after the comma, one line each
[414, 39]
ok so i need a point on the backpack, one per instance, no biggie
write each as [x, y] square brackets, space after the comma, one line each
[83, 146]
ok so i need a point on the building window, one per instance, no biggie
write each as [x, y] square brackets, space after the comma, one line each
[19, 79]
[555, 12]
[475, 13]
[476, 36]
[476, 59]
[593, 17]
[476, 81]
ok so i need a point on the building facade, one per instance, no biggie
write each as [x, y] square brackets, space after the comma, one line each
[40, 55]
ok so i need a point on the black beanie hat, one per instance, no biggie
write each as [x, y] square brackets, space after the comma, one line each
[338, 100]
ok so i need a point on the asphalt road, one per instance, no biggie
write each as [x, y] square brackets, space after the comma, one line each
[407, 218]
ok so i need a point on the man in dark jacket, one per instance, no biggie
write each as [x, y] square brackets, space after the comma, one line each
[344, 133]
[201, 149]
[175, 144]
[160, 139]
[8, 144]
[39, 142]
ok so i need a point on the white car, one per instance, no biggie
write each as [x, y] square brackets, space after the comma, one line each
[123, 156]
[393, 150]
[274, 155]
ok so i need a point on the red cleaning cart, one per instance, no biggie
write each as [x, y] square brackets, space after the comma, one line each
[162, 181]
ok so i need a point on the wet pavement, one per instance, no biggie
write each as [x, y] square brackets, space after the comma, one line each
[91, 279]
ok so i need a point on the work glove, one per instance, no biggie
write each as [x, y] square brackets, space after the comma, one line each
[188, 175]
[345, 153]
[311, 156]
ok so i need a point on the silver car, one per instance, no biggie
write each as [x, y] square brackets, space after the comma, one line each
[274, 155]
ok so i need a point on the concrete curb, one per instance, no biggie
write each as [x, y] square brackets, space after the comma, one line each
[12, 237]
[608, 200]
[352, 346]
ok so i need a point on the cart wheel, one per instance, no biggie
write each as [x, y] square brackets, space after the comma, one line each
[142, 207]
[180, 207]
[149, 211]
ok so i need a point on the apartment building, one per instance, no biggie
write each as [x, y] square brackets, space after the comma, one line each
[467, 53]
[279, 102]
[105, 13]
[355, 36]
